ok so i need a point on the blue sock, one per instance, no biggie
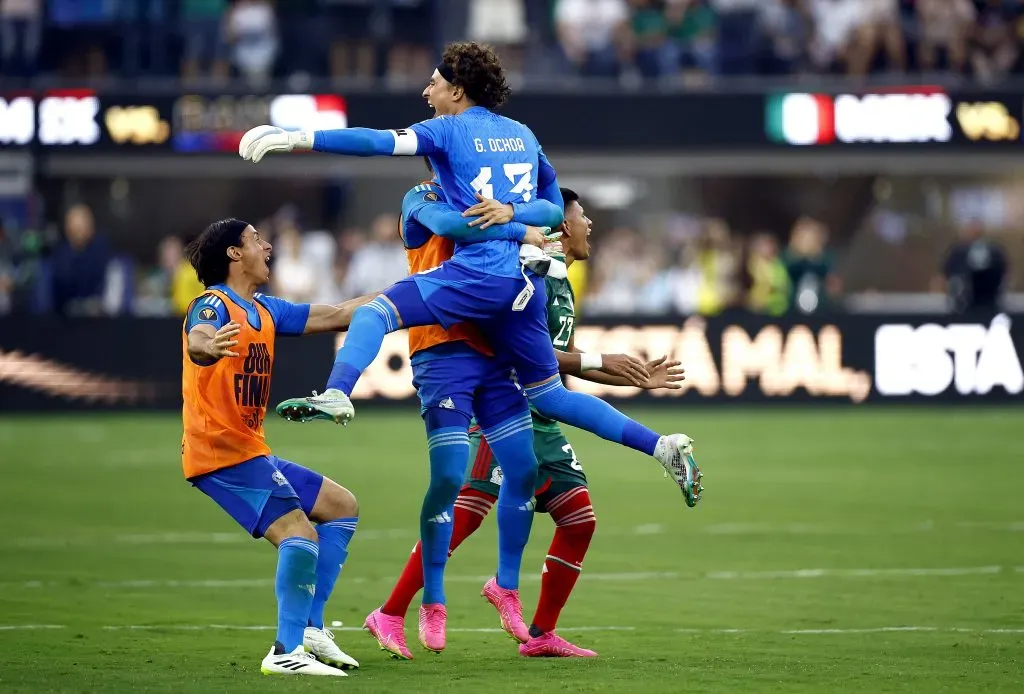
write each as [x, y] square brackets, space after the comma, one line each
[334, 538]
[370, 323]
[512, 444]
[295, 585]
[449, 453]
[554, 400]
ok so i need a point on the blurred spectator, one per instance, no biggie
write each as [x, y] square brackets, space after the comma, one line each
[171, 286]
[878, 28]
[293, 279]
[351, 38]
[7, 276]
[502, 24]
[996, 45]
[767, 277]
[944, 26]
[143, 36]
[737, 35]
[692, 26]
[592, 34]
[718, 264]
[617, 274]
[787, 32]
[79, 265]
[81, 28]
[654, 54]
[974, 272]
[409, 51]
[378, 264]
[251, 31]
[21, 29]
[836, 23]
[811, 267]
[203, 38]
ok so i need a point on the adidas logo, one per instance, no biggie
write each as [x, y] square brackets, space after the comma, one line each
[442, 517]
[447, 404]
[310, 587]
[529, 505]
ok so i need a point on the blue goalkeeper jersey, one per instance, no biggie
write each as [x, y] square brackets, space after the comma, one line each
[481, 152]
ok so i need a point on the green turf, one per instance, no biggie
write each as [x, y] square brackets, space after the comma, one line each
[93, 504]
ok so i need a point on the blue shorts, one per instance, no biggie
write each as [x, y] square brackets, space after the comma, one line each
[451, 294]
[456, 377]
[259, 491]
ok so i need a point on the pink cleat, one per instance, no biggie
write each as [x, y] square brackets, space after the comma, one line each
[510, 610]
[389, 632]
[551, 645]
[433, 619]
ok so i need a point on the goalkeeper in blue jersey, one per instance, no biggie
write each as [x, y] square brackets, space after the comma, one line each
[475, 152]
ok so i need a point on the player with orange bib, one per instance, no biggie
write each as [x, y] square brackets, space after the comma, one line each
[227, 358]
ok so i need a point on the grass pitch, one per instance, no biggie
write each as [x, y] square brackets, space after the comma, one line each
[835, 550]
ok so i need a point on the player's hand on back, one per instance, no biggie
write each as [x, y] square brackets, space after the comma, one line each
[489, 212]
[535, 236]
[630, 368]
[223, 340]
[664, 374]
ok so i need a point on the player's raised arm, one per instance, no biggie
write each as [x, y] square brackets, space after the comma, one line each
[420, 139]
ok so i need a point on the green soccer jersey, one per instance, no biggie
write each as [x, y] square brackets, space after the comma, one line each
[561, 327]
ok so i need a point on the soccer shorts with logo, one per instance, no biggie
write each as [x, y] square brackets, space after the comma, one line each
[451, 294]
[559, 469]
[454, 376]
[259, 491]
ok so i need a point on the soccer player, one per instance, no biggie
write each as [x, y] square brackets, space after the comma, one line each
[455, 376]
[227, 357]
[475, 151]
[562, 485]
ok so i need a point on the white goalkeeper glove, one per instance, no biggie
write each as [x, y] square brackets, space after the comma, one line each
[267, 138]
[539, 263]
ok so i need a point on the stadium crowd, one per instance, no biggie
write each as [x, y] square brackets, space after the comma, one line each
[695, 266]
[396, 39]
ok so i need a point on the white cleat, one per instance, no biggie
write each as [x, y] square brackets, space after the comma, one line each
[298, 662]
[320, 642]
[675, 453]
[332, 404]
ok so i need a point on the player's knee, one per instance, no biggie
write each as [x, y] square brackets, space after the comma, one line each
[292, 524]
[333, 502]
[446, 484]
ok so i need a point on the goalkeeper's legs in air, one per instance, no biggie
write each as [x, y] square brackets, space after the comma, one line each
[524, 340]
[456, 295]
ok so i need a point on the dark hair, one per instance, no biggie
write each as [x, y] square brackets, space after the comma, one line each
[477, 69]
[208, 254]
[569, 196]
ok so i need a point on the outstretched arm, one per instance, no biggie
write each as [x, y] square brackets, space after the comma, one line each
[620, 369]
[324, 318]
[428, 137]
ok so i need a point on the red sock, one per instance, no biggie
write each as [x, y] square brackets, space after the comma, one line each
[471, 508]
[575, 523]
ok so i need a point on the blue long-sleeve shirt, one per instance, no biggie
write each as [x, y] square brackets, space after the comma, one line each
[475, 152]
